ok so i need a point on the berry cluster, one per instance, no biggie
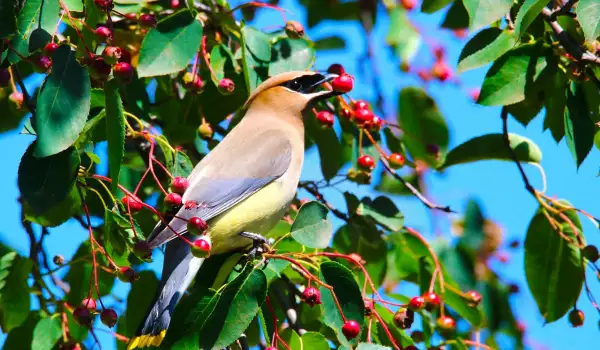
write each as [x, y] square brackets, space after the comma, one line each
[84, 314]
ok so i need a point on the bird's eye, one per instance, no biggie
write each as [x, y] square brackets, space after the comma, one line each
[294, 85]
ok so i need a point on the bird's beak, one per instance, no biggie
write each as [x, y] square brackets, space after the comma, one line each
[319, 80]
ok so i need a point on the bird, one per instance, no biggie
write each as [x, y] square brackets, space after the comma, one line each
[241, 189]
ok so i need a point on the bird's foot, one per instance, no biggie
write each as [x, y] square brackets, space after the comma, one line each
[260, 245]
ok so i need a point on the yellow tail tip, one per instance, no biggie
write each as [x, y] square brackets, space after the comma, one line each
[147, 340]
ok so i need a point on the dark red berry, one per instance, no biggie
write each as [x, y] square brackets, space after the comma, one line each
[103, 34]
[416, 303]
[404, 318]
[432, 301]
[179, 184]
[111, 54]
[369, 307]
[446, 324]
[99, 69]
[42, 64]
[82, 315]
[311, 296]
[417, 336]
[134, 204]
[147, 20]
[374, 124]
[196, 226]
[201, 248]
[142, 250]
[325, 118]
[173, 199]
[366, 162]
[347, 113]
[104, 4]
[127, 274]
[336, 68]
[576, 318]
[396, 160]
[125, 56]
[50, 48]
[363, 116]
[4, 77]
[294, 29]
[226, 86]
[473, 298]
[89, 303]
[123, 72]
[109, 317]
[344, 83]
[590, 252]
[351, 329]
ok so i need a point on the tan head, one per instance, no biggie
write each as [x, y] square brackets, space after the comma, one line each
[290, 92]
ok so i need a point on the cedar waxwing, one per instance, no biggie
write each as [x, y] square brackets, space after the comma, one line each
[241, 189]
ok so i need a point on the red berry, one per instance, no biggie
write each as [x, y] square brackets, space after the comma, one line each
[441, 71]
[461, 33]
[396, 160]
[134, 204]
[142, 250]
[100, 70]
[147, 20]
[311, 296]
[179, 184]
[363, 116]
[111, 54]
[42, 64]
[127, 274]
[424, 75]
[360, 104]
[50, 48]
[432, 300]
[125, 56]
[131, 16]
[366, 162]
[4, 77]
[408, 4]
[351, 329]
[82, 315]
[271, 348]
[174, 4]
[336, 68]
[576, 318]
[416, 303]
[344, 83]
[192, 82]
[369, 307]
[205, 131]
[446, 324]
[325, 118]
[123, 72]
[196, 226]
[173, 199]
[104, 4]
[201, 248]
[374, 124]
[294, 29]
[473, 297]
[347, 113]
[474, 94]
[103, 34]
[226, 86]
[16, 98]
[109, 317]
[89, 303]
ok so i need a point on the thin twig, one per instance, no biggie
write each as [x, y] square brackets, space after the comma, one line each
[513, 155]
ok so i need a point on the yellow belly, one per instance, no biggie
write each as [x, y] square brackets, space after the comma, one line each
[258, 213]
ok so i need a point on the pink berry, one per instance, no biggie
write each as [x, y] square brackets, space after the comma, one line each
[134, 203]
[441, 71]
[42, 64]
[311, 296]
[344, 83]
[89, 303]
[123, 72]
[180, 184]
[111, 54]
[173, 199]
[196, 226]
[147, 20]
[226, 86]
[103, 34]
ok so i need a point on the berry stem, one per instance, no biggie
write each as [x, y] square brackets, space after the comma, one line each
[386, 330]
[64, 7]
[137, 188]
[206, 60]
[260, 4]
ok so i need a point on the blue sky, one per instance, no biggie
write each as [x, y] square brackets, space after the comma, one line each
[496, 185]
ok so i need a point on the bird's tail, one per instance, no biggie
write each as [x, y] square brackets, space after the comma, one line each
[179, 269]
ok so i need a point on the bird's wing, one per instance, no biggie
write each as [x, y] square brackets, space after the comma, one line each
[232, 172]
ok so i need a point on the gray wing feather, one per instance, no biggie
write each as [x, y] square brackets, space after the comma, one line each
[234, 172]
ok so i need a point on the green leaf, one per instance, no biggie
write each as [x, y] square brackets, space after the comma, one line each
[485, 47]
[115, 131]
[45, 182]
[391, 185]
[291, 339]
[79, 274]
[34, 14]
[75, 5]
[383, 211]
[291, 54]
[554, 268]
[221, 60]
[492, 146]
[314, 340]
[231, 310]
[431, 6]
[170, 46]
[485, 12]
[8, 19]
[63, 104]
[118, 235]
[22, 336]
[579, 128]
[142, 296]
[58, 213]
[506, 81]
[368, 346]
[527, 13]
[311, 227]
[333, 42]
[256, 55]
[46, 333]
[423, 124]
[348, 294]
[588, 15]
[14, 290]
[402, 35]
[457, 16]
[182, 165]
[556, 104]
